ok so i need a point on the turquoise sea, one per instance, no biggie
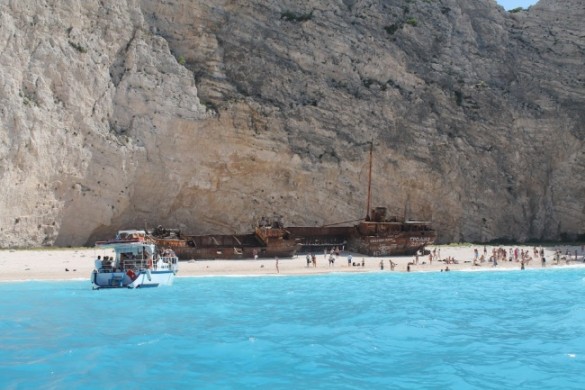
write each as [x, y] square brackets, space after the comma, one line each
[456, 330]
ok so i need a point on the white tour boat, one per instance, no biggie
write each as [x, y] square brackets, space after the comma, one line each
[137, 263]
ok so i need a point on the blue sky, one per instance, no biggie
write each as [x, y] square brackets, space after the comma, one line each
[511, 4]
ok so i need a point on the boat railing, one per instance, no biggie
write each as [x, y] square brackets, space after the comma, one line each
[134, 264]
[170, 262]
[167, 262]
[163, 263]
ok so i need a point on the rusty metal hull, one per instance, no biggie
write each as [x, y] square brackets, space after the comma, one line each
[317, 239]
[391, 238]
[404, 243]
[368, 238]
[230, 247]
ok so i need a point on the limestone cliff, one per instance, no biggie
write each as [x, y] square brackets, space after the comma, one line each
[206, 115]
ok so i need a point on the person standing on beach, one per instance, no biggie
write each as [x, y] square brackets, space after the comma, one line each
[314, 258]
[349, 260]
[308, 260]
[392, 264]
[277, 270]
[382, 265]
[331, 260]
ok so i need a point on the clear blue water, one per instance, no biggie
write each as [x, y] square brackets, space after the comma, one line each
[483, 330]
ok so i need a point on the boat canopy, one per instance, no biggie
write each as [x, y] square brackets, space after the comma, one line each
[129, 234]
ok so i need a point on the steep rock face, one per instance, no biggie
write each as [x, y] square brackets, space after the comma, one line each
[130, 113]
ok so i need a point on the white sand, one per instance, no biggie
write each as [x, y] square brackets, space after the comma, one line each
[66, 264]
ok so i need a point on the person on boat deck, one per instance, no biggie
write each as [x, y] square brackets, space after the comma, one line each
[149, 261]
[107, 262]
[123, 257]
[98, 263]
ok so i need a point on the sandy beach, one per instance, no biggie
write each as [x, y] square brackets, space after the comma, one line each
[78, 263]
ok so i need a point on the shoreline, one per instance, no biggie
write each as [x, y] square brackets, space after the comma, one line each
[63, 264]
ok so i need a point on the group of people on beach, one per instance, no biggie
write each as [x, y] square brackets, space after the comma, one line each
[496, 256]
[519, 255]
[329, 256]
[499, 255]
[311, 260]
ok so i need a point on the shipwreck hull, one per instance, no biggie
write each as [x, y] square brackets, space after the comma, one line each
[378, 237]
[229, 247]
[368, 238]
[314, 239]
[231, 253]
[391, 238]
[400, 244]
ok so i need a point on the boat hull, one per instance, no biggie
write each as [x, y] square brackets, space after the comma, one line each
[228, 247]
[186, 252]
[317, 239]
[367, 238]
[399, 244]
[375, 238]
[143, 279]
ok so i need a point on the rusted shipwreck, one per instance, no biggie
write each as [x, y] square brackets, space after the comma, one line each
[376, 235]
[382, 236]
[270, 239]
